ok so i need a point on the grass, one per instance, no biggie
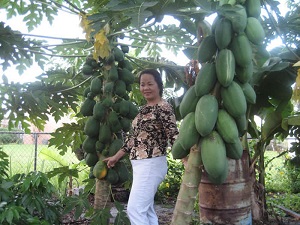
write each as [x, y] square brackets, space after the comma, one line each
[24, 159]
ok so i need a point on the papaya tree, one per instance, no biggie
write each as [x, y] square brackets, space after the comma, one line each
[111, 25]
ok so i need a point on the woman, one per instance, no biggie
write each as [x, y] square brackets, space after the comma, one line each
[153, 128]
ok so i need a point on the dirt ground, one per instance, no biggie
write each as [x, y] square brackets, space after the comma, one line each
[165, 212]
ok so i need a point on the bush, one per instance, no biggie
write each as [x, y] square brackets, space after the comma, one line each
[169, 188]
[8, 137]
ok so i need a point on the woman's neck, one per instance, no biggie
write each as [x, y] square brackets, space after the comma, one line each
[154, 102]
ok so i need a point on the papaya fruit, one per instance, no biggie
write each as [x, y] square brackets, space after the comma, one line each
[220, 179]
[87, 106]
[115, 146]
[234, 100]
[124, 108]
[223, 33]
[254, 31]
[118, 54]
[89, 144]
[123, 172]
[100, 146]
[125, 48]
[244, 73]
[91, 159]
[113, 73]
[249, 92]
[87, 70]
[120, 88]
[125, 64]
[109, 87]
[107, 102]
[207, 49]
[100, 170]
[234, 150]
[177, 151]
[227, 127]
[213, 155]
[206, 114]
[86, 91]
[105, 133]
[126, 76]
[99, 111]
[126, 124]
[112, 176]
[189, 102]
[91, 127]
[253, 8]
[205, 79]
[241, 49]
[133, 111]
[188, 133]
[241, 123]
[225, 67]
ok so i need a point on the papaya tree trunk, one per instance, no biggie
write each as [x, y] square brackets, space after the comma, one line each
[187, 195]
[102, 194]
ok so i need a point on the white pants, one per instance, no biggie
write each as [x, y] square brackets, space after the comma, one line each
[147, 175]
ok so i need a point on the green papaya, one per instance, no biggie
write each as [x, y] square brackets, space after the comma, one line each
[120, 88]
[87, 70]
[242, 51]
[91, 159]
[113, 73]
[213, 155]
[253, 8]
[96, 85]
[234, 100]
[86, 91]
[223, 33]
[249, 92]
[109, 87]
[89, 144]
[123, 172]
[124, 107]
[126, 76]
[126, 124]
[107, 102]
[254, 31]
[133, 111]
[115, 146]
[244, 73]
[237, 15]
[177, 151]
[91, 127]
[105, 134]
[207, 49]
[206, 79]
[206, 114]
[227, 127]
[118, 54]
[87, 106]
[189, 102]
[225, 67]
[112, 176]
[234, 150]
[99, 111]
[100, 146]
[187, 131]
[125, 64]
[241, 123]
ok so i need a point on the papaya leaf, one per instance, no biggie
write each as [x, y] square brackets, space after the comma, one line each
[50, 155]
[271, 125]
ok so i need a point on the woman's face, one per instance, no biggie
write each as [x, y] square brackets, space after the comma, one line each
[149, 88]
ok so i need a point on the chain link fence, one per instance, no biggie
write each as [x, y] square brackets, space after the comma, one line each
[30, 152]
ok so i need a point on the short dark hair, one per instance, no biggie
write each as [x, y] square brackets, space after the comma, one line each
[157, 78]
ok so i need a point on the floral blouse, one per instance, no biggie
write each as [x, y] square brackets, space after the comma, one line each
[153, 128]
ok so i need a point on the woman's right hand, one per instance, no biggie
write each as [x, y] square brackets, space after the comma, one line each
[111, 161]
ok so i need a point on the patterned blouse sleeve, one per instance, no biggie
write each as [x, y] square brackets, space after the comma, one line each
[168, 119]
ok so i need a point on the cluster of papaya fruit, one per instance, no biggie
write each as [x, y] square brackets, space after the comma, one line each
[214, 107]
[109, 113]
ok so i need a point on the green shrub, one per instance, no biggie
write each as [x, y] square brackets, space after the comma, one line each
[169, 188]
[7, 137]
